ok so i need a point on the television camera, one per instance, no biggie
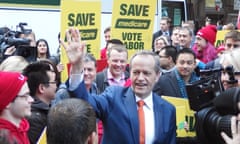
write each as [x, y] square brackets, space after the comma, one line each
[9, 38]
[214, 106]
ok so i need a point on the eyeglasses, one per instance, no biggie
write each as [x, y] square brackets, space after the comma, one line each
[232, 45]
[157, 52]
[25, 96]
[228, 68]
[54, 82]
[48, 83]
[236, 73]
[163, 56]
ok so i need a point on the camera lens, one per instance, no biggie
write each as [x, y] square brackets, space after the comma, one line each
[209, 125]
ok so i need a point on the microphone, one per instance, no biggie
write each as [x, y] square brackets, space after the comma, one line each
[227, 102]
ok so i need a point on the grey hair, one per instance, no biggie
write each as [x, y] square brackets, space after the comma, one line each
[147, 53]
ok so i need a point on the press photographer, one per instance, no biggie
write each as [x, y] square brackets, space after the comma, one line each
[215, 99]
[20, 42]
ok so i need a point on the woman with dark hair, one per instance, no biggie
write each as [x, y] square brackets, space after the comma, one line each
[43, 51]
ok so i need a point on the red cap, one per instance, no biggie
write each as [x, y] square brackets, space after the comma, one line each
[10, 85]
[208, 33]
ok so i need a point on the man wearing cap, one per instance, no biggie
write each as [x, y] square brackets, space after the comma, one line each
[15, 104]
[204, 44]
[231, 41]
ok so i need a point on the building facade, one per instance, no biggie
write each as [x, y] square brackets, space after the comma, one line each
[224, 10]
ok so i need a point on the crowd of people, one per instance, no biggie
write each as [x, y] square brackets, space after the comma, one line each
[121, 103]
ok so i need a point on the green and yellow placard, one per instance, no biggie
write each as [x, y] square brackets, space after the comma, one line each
[84, 15]
[183, 115]
[132, 23]
[220, 37]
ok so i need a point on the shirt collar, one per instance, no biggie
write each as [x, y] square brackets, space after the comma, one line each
[110, 76]
[148, 101]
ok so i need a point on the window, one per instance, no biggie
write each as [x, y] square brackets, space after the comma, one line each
[175, 10]
[210, 3]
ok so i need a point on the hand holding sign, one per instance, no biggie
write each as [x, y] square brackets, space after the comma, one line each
[74, 49]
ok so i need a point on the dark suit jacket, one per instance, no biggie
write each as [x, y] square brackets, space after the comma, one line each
[102, 81]
[117, 108]
[168, 85]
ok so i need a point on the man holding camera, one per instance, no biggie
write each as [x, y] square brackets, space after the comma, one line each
[21, 42]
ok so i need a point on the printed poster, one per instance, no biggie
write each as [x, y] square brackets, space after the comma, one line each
[132, 23]
[183, 114]
[84, 15]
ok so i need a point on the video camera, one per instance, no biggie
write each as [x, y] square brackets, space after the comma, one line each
[214, 106]
[10, 38]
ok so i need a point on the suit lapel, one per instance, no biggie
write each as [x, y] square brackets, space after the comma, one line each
[158, 115]
[174, 84]
[131, 108]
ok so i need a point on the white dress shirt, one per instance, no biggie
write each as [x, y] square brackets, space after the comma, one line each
[149, 118]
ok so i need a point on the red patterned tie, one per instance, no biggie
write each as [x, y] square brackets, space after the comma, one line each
[141, 121]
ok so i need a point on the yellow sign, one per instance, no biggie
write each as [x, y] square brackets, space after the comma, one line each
[43, 137]
[220, 37]
[132, 23]
[184, 114]
[86, 16]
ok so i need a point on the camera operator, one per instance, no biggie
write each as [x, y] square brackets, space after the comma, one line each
[216, 109]
[20, 42]
[235, 126]
[231, 58]
[230, 75]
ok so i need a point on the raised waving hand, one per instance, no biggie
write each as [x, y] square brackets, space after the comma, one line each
[75, 49]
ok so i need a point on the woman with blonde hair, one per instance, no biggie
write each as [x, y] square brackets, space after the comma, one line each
[14, 64]
[230, 63]
[161, 42]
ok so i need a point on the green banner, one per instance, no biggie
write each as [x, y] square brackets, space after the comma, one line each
[33, 2]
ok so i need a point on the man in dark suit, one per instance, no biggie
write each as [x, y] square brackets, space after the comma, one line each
[115, 73]
[117, 106]
[165, 24]
[173, 83]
